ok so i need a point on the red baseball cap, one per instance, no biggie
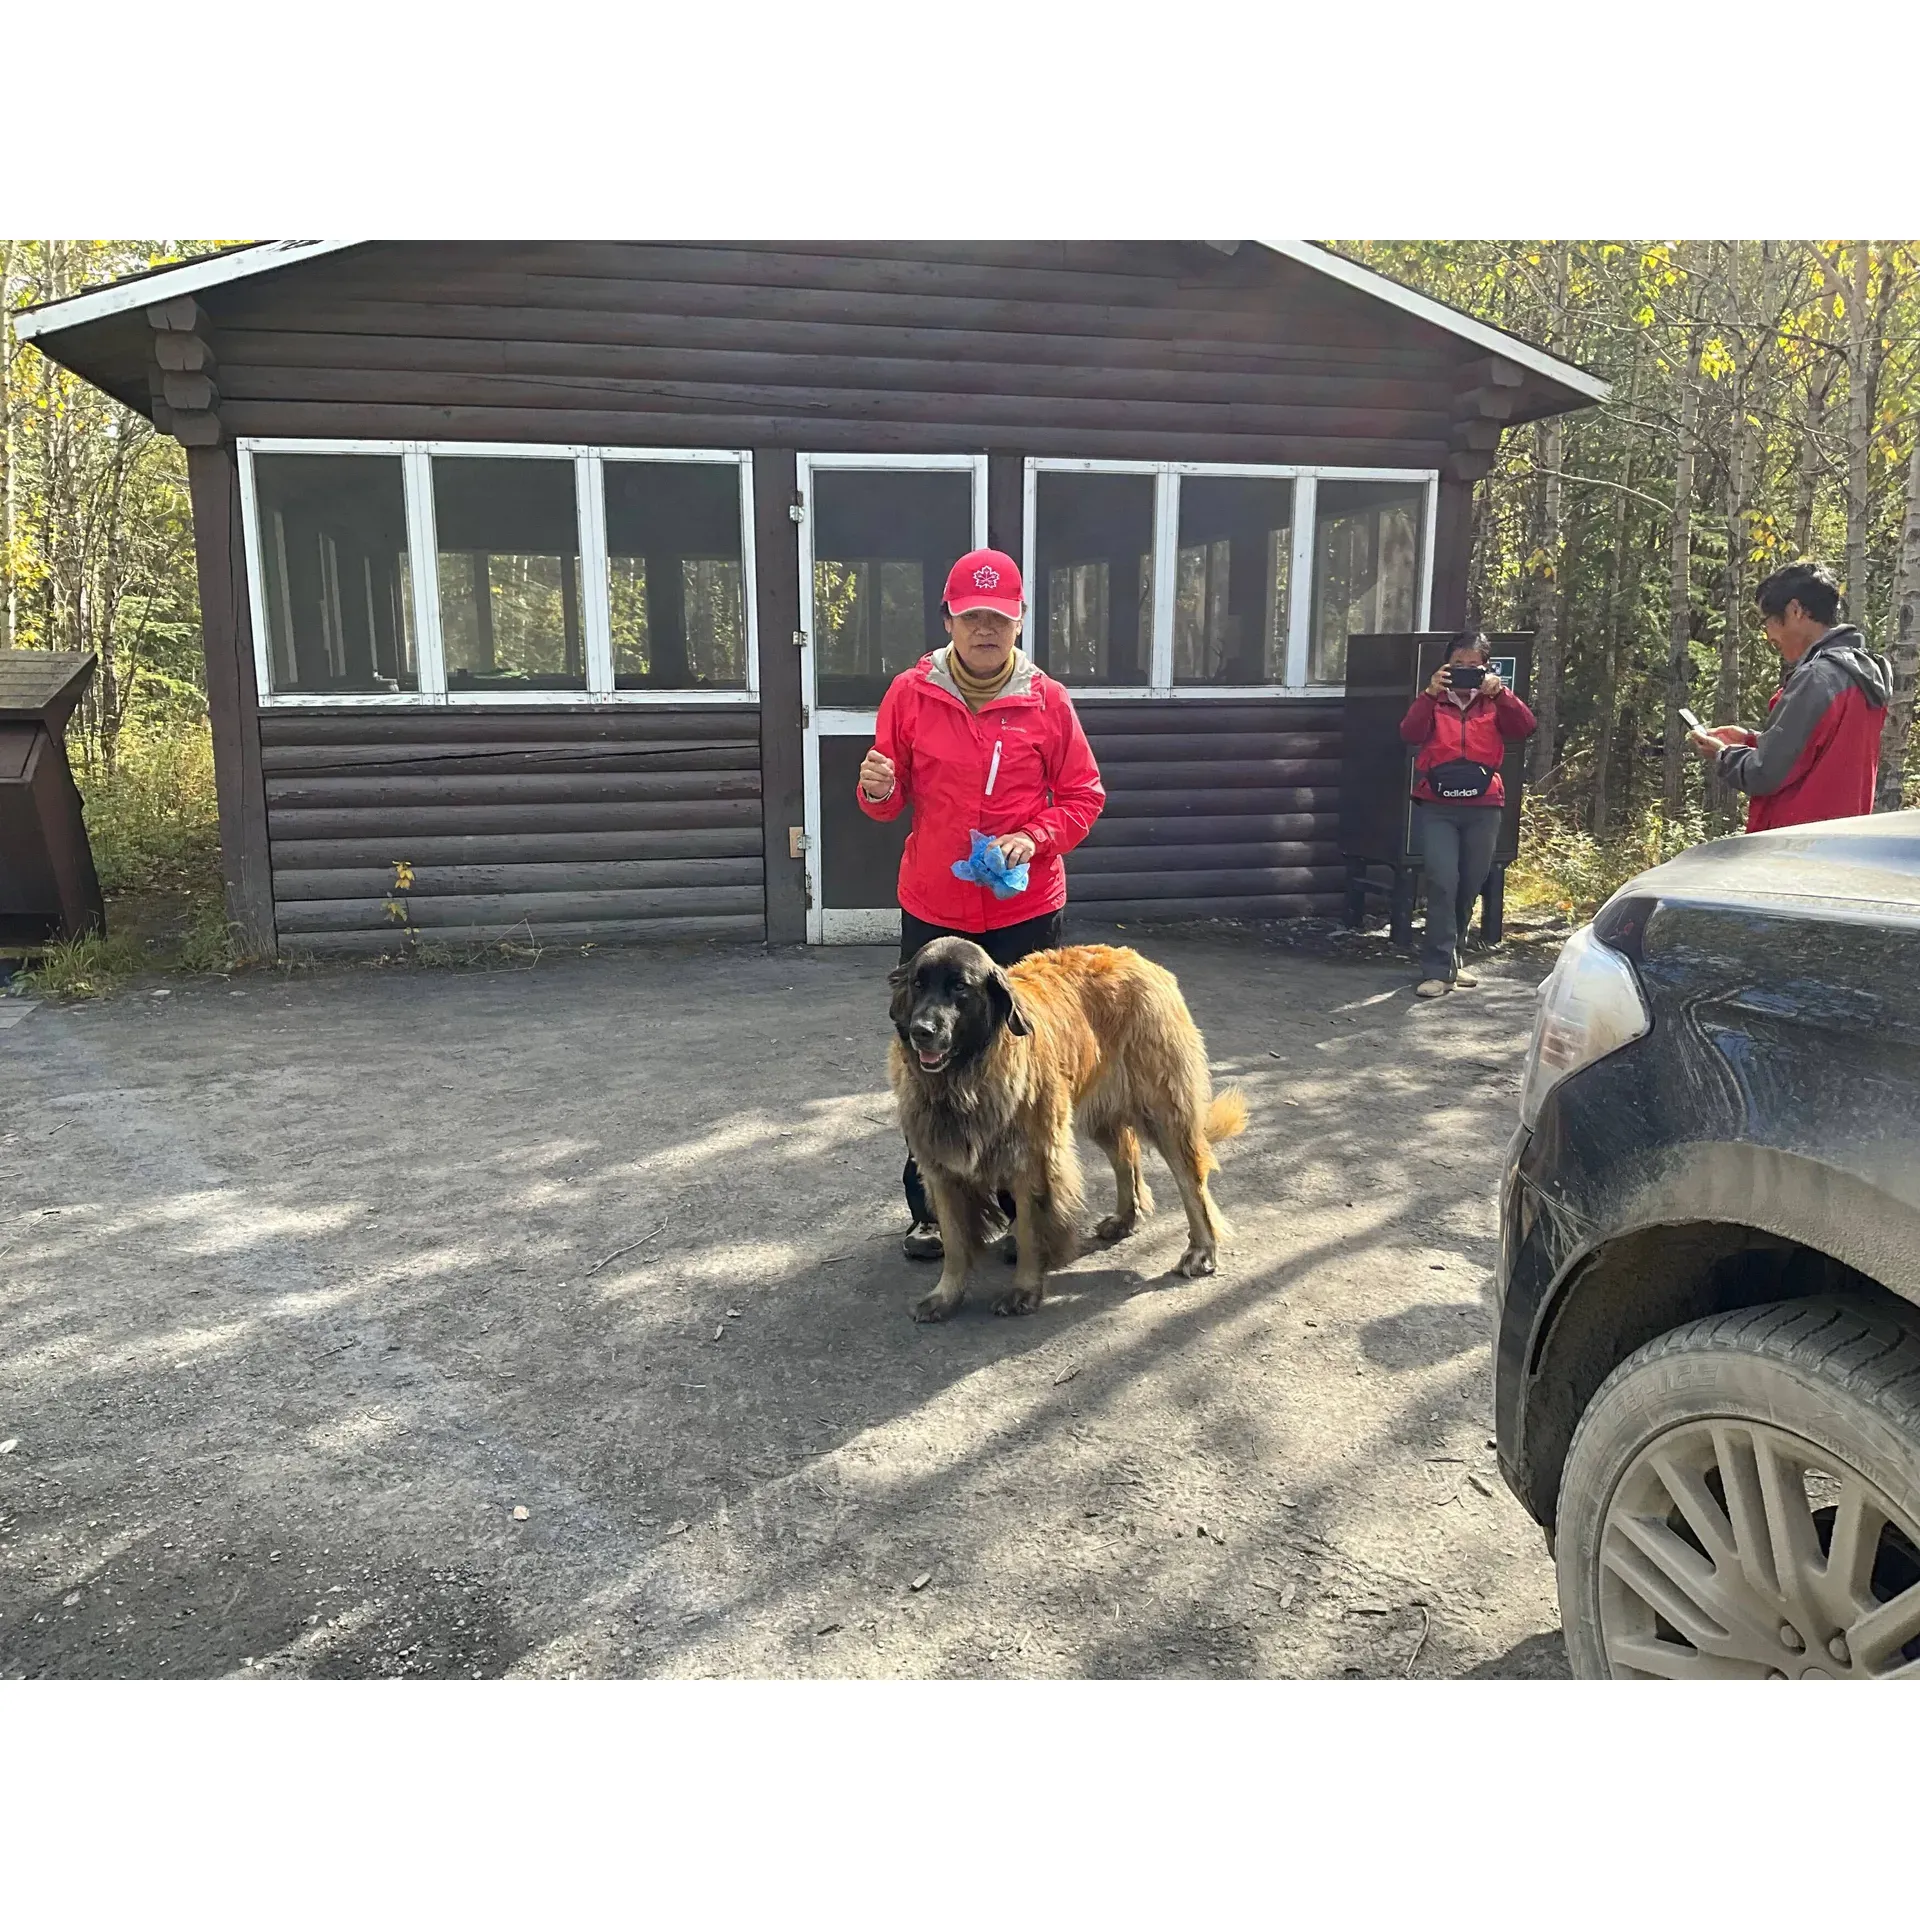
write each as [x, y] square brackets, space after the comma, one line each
[985, 578]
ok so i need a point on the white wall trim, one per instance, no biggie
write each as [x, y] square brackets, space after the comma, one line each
[1166, 576]
[423, 558]
[860, 927]
[416, 459]
[1432, 528]
[596, 615]
[1306, 515]
[152, 290]
[1084, 697]
[1166, 525]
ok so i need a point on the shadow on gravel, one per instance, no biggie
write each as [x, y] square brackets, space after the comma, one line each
[358, 1271]
[1423, 1336]
[1542, 1656]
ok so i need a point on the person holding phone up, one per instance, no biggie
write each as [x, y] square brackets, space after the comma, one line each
[1462, 723]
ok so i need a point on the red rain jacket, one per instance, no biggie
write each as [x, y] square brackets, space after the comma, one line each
[1818, 757]
[1479, 731]
[1019, 765]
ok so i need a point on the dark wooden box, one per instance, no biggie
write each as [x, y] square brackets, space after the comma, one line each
[48, 887]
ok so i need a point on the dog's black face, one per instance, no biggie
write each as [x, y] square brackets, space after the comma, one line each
[949, 1001]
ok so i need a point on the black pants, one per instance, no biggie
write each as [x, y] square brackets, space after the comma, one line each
[1004, 945]
[1456, 849]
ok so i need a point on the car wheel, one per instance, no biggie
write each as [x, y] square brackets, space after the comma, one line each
[1742, 1501]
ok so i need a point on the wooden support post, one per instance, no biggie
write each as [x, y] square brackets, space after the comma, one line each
[782, 743]
[1452, 555]
[1006, 509]
[1400, 906]
[232, 698]
[1356, 894]
[1493, 906]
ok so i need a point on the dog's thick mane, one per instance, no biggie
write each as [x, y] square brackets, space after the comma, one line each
[970, 1104]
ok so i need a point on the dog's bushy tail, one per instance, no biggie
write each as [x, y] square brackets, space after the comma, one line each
[1226, 1115]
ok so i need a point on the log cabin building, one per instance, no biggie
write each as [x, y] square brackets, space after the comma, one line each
[549, 589]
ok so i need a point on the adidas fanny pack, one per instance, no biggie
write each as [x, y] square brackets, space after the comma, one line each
[1459, 780]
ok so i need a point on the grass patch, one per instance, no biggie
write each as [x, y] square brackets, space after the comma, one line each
[154, 825]
[1564, 870]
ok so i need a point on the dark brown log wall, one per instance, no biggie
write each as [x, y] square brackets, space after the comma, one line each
[1215, 809]
[1135, 350]
[1144, 350]
[543, 825]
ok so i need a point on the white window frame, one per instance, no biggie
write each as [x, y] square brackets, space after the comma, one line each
[1166, 522]
[589, 467]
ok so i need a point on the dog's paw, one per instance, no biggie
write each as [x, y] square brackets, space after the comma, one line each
[1115, 1226]
[1019, 1300]
[1195, 1264]
[935, 1306]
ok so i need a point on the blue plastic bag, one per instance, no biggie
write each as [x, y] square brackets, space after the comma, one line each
[986, 866]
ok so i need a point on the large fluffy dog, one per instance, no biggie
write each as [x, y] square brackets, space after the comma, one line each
[991, 1066]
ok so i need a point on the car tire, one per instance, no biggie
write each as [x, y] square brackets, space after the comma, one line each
[1681, 1547]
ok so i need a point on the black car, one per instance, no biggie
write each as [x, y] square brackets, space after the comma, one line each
[1707, 1385]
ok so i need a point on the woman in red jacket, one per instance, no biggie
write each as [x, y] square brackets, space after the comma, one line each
[1461, 724]
[975, 736]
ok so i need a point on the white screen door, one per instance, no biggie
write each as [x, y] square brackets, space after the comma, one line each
[877, 536]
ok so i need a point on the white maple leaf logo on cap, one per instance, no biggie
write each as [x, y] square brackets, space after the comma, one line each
[986, 578]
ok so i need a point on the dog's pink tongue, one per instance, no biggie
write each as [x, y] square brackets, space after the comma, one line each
[930, 1059]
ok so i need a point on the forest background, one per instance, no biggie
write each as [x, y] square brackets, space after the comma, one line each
[1765, 400]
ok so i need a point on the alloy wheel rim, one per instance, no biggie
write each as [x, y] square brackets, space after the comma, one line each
[1733, 1549]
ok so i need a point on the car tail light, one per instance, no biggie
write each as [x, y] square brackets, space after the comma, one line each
[1590, 1006]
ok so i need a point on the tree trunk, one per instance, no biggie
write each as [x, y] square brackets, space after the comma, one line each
[1679, 589]
[1906, 650]
[1477, 568]
[1726, 695]
[1616, 613]
[1548, 594]
[1807, 469]
[1546, 604]
[9, 599]
[1860, 384]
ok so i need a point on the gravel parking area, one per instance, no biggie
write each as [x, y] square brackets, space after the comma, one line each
[552, 1321]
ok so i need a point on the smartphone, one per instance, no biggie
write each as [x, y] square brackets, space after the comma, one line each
[1465, 679]
[1693, 720]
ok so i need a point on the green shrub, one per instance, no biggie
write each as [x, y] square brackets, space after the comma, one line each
[1563, 869]
[155, 822]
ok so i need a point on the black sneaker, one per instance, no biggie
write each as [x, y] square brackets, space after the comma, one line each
[923, 1242]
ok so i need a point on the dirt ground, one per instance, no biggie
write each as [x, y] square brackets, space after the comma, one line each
[553, 1322]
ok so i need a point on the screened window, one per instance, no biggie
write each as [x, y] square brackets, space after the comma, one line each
[1233, 562]
[882, 544]
[1366, 567]
[338, 609]
[507, 533]
[1092, 624]
[676, 598]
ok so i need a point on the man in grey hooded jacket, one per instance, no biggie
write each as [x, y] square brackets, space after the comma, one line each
[1818, 756]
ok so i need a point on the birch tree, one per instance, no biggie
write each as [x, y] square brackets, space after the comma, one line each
[1897, 740]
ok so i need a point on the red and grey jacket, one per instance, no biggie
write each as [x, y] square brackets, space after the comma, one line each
[1444, 731]
[1019, 765]
[1818, 756]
